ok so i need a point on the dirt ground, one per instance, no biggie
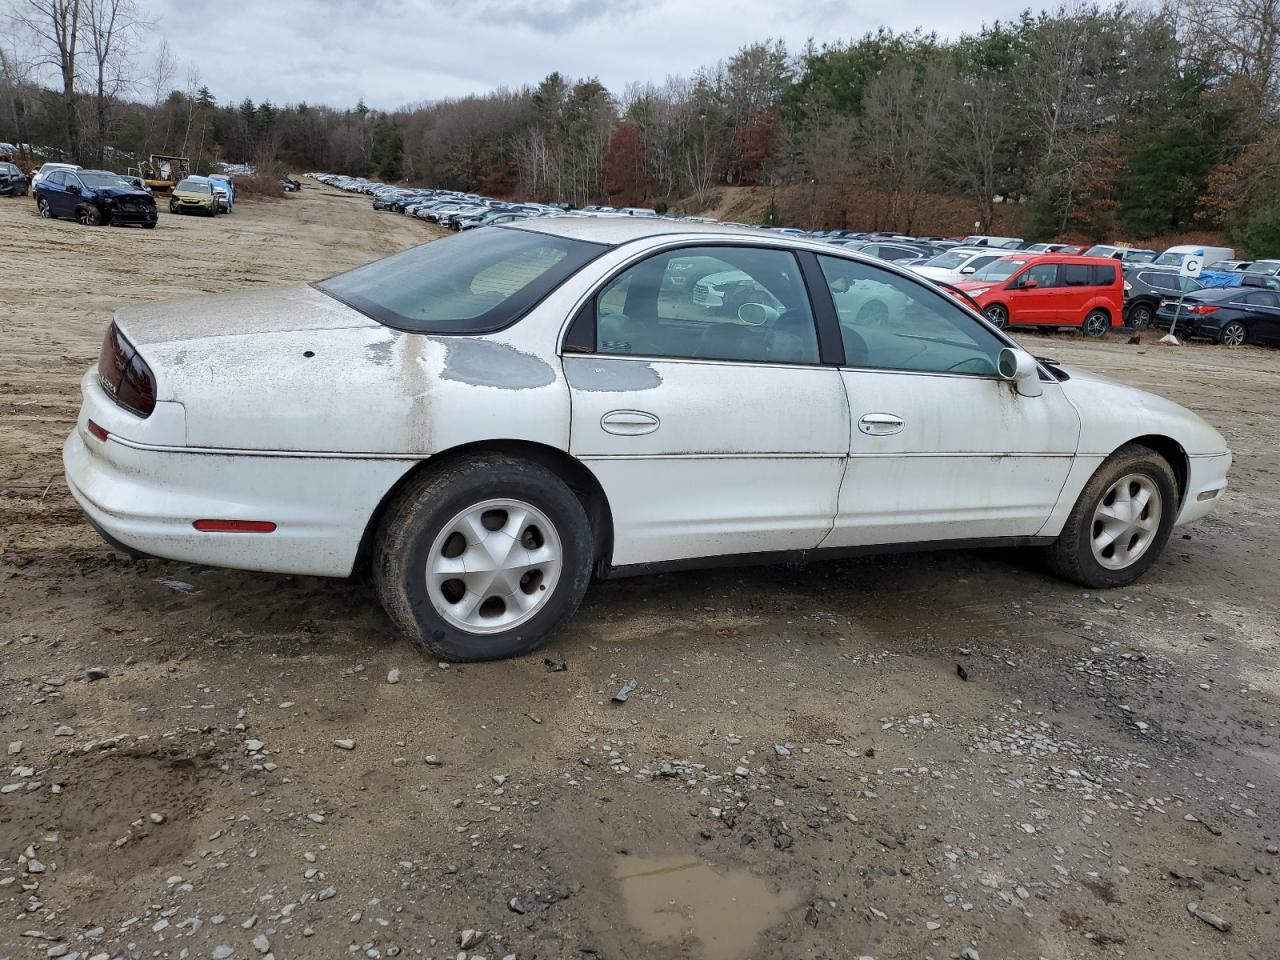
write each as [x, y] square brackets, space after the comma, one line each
[800, 773]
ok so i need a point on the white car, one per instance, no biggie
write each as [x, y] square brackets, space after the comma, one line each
[490, 419]
[48, 168]
[957, 264]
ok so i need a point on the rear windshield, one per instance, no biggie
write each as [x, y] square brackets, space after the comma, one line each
[476, 282]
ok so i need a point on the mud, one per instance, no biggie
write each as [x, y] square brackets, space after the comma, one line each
[801, 732]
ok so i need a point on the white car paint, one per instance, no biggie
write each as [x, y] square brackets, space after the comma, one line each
[976, 258]
[700, 458]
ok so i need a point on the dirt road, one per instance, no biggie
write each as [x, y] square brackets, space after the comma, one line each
[799, 774]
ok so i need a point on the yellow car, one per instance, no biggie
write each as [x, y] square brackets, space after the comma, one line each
[193, 196]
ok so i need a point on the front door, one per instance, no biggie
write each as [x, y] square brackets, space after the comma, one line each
[940, 447]
[701, 406]
[1035, 296]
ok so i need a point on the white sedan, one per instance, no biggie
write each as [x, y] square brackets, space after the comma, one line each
[490, 419]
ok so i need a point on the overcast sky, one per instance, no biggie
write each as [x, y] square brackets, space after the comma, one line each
[397, 52]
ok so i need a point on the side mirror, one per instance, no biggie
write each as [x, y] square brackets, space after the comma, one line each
[72, 189]
[968, 269]
[1028, 285]
[1021, 369]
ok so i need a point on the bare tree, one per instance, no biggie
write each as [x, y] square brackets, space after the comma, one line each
[1239, 39]
[976, 138]
[110, 28]
[55, 25]
[15, 90]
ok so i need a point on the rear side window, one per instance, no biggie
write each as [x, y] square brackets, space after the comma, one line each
[1102, 274]
[476, 282]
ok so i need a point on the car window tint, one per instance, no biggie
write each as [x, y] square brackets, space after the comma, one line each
[55, 179]
[712, 303]
[1160, 281]
[1102, 274]
[1261, 298]
[1075, 274]
[892, 323]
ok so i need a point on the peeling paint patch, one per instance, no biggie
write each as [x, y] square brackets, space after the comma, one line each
[488, 363]
[610, 376]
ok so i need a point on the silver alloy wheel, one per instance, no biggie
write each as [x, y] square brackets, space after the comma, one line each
[1140, 317]
[1125, 521]
[493, 566]
[1096, 324]
[43, 207]
[998, 316]
[1234, 333]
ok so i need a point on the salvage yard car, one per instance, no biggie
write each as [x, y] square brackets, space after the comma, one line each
[13, 182]
[488, 420]
[94, 198]
[195, 196]
[1050, 290]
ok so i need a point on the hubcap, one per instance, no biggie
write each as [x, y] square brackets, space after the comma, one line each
[1233, 335]
[493, 566]
[1125, 521]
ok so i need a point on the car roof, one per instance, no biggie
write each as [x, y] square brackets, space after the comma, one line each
[615, 231]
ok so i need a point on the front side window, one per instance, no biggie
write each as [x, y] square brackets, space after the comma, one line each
[56, 179]
[891, 323]
[1044, 275]
[476, 282]
[998, 270]
[710, 303]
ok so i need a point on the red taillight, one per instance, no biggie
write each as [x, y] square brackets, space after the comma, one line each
[98, 432]
[235, 526]
[1203, 308]
[125, 375]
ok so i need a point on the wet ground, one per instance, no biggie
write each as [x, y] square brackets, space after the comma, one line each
[800, 773]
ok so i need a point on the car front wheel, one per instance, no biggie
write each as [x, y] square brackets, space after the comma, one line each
[90, 216]
[483, 559]
[1121, 522]
[998, 316]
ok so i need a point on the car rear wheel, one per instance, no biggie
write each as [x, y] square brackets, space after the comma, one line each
[1233, 334]
[998, 315]
[1096, 324]
[483, 559]
[1140, 316]
[1121, 522]
[42, 205]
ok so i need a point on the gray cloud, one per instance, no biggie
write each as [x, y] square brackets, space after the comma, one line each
[394, 52]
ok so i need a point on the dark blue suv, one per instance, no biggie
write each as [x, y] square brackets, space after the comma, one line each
[94, 197]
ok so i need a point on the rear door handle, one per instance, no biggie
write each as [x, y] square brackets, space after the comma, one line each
[881, 424]
[629, 423]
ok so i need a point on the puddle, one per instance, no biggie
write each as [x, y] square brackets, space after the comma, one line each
[683, 900]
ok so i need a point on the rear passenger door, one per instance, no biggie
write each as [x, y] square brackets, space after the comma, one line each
[1264, 315]
[700, 403]
[53, 188]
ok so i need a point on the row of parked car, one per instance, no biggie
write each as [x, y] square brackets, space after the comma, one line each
[1091, 288]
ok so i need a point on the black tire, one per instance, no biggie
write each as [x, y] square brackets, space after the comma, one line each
[90, 216]
[998, 315]
[1140, 316]
[43, 208]
[1234, 334]
[418, 514]
[1096, 324]
[148, 226]
[1071, 556]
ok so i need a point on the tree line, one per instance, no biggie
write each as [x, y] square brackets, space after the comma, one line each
[1095, 121]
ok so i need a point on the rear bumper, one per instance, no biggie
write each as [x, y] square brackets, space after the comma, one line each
[1207, 477]
[145, 498]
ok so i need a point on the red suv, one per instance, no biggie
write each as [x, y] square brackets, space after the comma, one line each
[1050, 290]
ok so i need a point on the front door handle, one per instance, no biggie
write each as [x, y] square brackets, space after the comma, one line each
[629, 423]
[881, 424]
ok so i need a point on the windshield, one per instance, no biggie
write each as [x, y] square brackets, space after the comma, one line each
[193, 186]
[1001, 269]
[106, 181]
[476, 282]
[1169, 259]
[948, 261]
[1263, 266]
[9, 169]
